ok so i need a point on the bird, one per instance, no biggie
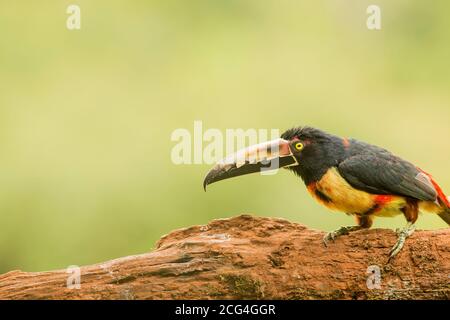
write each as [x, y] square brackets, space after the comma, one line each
[346, 175]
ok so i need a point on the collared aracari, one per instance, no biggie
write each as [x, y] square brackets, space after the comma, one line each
[347, 175]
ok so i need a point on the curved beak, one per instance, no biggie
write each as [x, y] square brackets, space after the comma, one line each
[263, 157]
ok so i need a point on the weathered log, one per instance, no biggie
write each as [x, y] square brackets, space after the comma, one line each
[257, 258]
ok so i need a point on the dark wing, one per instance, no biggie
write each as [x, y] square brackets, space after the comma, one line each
[380, 172]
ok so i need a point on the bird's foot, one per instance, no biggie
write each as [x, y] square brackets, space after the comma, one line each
[403, 234]
[331, 236]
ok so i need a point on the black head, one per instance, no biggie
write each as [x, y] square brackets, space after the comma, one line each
[319, 152]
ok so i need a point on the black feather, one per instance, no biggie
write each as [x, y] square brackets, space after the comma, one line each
[376, 170]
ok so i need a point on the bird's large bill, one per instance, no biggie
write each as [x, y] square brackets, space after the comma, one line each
[266, 156]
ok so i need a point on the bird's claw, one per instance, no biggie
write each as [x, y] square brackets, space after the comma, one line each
[328, 237]
[403, 234]
[331, 236]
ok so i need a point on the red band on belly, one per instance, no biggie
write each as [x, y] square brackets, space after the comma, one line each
[383, 199]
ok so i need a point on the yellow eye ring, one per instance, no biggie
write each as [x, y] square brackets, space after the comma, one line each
[299, 146]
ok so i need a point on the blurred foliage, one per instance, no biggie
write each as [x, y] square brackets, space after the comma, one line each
[86, 116]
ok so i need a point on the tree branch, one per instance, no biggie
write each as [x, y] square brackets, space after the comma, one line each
[256, 258]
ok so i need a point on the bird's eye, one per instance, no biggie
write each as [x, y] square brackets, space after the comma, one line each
[299, 146]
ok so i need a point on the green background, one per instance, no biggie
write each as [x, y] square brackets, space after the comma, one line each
[86, 116]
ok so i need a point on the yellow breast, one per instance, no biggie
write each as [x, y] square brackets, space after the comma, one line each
[336, 193]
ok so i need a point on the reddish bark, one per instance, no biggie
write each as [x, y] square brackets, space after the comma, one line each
[255, 258]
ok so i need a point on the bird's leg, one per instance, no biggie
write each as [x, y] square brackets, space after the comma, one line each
[411, 212]
[331, 236]
[364, 222]
[403, 234]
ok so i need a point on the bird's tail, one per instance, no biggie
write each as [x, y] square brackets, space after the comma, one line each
[445, 215]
